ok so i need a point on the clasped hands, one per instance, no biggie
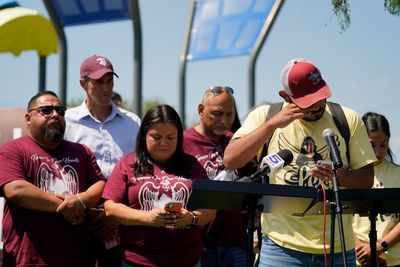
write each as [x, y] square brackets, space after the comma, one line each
[71, 209]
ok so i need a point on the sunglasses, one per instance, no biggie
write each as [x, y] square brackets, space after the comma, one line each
[217, 90]
[46, 111]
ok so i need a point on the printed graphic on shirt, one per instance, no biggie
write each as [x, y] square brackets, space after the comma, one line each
[214, 166]
[308, 152]
[297, 171]
[155, 192]
[54, 178]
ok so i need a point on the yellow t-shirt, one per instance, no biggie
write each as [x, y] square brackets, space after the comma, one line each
[304, 139]
[387, 175]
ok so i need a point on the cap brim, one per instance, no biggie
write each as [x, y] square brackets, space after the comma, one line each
[100, 73]
[310, 99]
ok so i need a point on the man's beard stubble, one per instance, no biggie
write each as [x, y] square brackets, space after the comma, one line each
[54, 134]
[319, 112]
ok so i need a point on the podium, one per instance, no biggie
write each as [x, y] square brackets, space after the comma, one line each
[238, 196]
[292, 200]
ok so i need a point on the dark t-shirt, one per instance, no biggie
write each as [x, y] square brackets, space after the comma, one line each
[228, 228]
[42, 238]
[150, 246]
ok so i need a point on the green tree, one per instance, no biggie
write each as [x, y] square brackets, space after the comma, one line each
[75, 102]
[341, 8]
[151, 103]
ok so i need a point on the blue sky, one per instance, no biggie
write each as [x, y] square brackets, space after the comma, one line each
[360, 64]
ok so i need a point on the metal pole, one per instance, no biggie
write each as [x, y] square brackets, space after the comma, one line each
[137, 39]
[42, 73]
[63, 50]
[183, 61]
[257, 48]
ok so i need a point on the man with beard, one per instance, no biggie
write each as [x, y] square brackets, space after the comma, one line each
[110, 132]
[225, 238]
[48, 184]
[299, 241]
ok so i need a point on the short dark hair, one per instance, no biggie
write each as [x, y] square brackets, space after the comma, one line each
[41, 93]
[156, 114]
[116, 96]
[377, 122]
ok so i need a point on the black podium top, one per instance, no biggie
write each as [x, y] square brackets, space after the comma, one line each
[293, 200]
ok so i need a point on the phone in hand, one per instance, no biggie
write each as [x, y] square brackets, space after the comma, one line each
[174, 206]
[326, 163]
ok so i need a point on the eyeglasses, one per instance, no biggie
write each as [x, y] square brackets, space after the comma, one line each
[46, 111]
[217, 90]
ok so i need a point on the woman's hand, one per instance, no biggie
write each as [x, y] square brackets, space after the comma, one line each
[363, 253]
[161, 218]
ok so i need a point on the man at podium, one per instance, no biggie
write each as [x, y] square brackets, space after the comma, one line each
[290, 240]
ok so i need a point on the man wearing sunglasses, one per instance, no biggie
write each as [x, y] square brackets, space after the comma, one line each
[225, 238]
[299, 241]
[48, 184]
[110, 132]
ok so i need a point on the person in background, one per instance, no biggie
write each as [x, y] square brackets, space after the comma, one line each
[144, 182]
[117, 99]
[290, 240]
[387, 175]
[48, 184]
[110, 132]
[236, 121]
[225, 238]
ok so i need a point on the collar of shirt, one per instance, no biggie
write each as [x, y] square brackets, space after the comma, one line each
[83, 112]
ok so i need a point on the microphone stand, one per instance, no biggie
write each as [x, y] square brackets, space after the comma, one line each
[336, 209]
[252, 205]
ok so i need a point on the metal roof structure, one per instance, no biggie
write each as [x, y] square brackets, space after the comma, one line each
[219, 28]
[66, 13]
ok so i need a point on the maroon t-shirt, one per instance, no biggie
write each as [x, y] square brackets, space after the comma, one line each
[37, 238]
[150, 246]
[229, 227]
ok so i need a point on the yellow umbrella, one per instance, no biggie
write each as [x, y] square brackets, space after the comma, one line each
[26, 29]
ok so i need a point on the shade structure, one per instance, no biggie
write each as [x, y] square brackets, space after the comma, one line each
[24, 29]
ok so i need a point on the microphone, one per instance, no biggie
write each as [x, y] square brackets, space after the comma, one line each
[333, 148]
[270, 164]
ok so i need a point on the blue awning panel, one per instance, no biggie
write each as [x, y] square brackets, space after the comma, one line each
[226, 27]
[77, 12]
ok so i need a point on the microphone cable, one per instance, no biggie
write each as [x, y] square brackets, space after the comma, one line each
[321, 186]
[324, 225]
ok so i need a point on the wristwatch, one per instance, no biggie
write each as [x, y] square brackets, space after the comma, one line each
[195, 220]
[384, 245]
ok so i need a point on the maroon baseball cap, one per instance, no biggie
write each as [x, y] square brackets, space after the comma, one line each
[95, 67]
[303, 82]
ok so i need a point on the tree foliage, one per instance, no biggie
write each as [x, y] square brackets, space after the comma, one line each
[341, 8]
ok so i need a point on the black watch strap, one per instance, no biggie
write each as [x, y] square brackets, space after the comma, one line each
[384, 245]
[195, 220]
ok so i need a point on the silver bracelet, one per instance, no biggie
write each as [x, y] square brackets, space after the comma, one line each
[80, 200]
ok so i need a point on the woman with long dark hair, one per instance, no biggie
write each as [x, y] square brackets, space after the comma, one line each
[387, 174]
[158, 175]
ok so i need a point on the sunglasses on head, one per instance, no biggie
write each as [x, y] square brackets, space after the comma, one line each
[47, 110]
[217, 90]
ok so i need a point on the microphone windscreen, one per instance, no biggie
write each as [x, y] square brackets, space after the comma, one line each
[286, 155]
[327, 132]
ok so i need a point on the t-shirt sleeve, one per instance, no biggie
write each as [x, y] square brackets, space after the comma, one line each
[195, 170]
[361, 151]
[12, 161]
[252, 122]
[115, 188]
